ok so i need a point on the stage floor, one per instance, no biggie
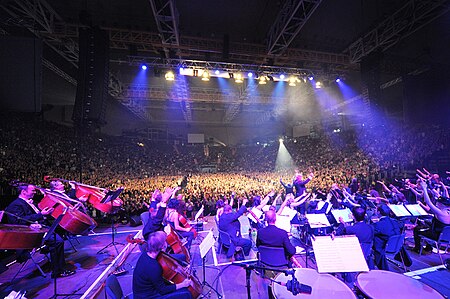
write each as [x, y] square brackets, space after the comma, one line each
[93, 268]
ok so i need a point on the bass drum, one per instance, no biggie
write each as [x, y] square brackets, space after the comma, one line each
[323, 286]
[378, 284]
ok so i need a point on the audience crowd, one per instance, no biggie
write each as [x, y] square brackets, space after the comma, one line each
[32, 148]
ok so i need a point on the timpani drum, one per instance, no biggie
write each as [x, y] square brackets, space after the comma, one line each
[323, 286]
[377, 284]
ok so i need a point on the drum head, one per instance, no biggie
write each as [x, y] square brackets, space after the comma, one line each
[323, 286]
[384, 284]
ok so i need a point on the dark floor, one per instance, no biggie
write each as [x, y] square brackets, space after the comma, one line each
[229, 280]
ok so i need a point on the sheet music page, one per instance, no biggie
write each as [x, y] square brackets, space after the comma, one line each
[199, 213]
[206, 244]
[283, 222]
[343, 254]
[287, 211]
[416, 210]
[345, 214]
[399, 210]
[257, 212]
[317, 220]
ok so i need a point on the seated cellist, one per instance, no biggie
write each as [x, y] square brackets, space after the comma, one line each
[148, 281]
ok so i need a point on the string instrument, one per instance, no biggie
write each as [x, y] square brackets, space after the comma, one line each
[74, 221]
[174, 241]
[184, 223]
[295, 262]
[20, 237]
[172, 271]
[93, 194]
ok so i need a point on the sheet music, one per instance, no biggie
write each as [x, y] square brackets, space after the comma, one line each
[343, 254]
[344, 213]
[287, 211]
[317, 220]
[283, 222]
[206, 244]
[399, 210]
[257, 213]
[199, 213]
[416, 210]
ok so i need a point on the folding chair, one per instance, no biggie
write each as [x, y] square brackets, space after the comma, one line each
[114, 290]
[393, 247]
[444, 239]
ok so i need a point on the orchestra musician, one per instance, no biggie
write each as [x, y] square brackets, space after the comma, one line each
[58, 187]
[229, 223]
[147, 276]
[173, 218]
[22, 211]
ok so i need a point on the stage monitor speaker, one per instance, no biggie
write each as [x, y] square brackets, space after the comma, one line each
[135, 220]
[20, 74]
[93, 78]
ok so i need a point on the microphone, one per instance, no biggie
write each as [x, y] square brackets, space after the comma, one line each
[295, 287]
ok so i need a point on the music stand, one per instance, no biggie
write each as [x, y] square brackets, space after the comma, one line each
[51, 231]
[110, 197]
[205, 247]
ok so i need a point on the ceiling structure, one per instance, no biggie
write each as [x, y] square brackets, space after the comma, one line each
[297, 37]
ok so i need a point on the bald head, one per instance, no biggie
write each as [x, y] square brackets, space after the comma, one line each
[271, 217]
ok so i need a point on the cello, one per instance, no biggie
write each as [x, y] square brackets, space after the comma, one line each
[174, 241]
[172, 271]
[73, 221]
[94, 195]
[184, 223]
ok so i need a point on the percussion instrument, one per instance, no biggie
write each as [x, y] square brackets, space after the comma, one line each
[323, 286]
[20, 237]
[385, 284]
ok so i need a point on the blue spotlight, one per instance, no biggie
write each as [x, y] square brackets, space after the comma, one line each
[217, 72]
[338, 80]
[310, 78]
[250, 75]
[144, 67]
[282, 77]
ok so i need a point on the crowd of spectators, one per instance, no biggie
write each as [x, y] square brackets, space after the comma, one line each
[32, 148]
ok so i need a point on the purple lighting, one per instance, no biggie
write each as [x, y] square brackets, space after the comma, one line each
[338, 80]
[310, 78]
[250, 75]
[144, 67]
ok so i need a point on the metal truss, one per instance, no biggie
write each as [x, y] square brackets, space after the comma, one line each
[166, 18]
[59, 71]
[409, 18]
[196, 48]
[40, 19]
[291, 19]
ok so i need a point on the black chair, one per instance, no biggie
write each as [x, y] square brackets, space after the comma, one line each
[224, 240]
[393, 247]
[144, 218]
[114, 290]
[444, 239]
[272, 256]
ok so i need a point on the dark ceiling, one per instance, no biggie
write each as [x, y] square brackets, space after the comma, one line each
[241, 27]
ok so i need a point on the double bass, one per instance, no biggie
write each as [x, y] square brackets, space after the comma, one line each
[13, 236]
[174, 241]
[172, 271]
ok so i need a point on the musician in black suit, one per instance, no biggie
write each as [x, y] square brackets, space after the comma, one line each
[273, 236]
[229, 223]
[23, 211]
[384, 229]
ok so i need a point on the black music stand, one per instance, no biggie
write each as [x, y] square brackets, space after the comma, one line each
[110, 197]
[51, 231]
